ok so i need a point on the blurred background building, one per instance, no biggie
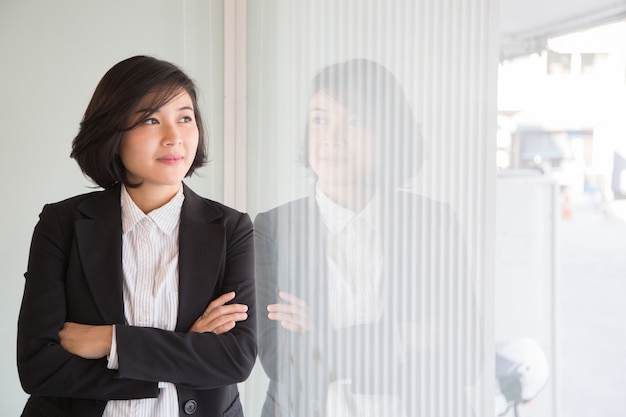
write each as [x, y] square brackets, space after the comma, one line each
[561, 197]
[561, 110]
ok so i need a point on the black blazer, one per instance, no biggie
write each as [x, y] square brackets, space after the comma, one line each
[75, 274]
[425, 281]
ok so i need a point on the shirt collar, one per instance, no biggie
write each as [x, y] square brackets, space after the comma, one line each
[336, 217]
[165, 217]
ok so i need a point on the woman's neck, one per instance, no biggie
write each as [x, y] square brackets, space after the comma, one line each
[151, 198]
[354, 198]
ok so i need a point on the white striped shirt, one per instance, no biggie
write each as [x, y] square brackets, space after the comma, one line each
[354, 261]
[150, 266]
[354, 256]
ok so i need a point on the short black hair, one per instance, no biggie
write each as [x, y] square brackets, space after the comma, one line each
[371, 91]
[119, 92]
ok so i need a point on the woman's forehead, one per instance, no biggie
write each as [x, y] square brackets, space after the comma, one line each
[159, 97]
[323, 101]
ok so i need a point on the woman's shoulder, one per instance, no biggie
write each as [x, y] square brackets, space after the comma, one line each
[289, 212]
[96, 198]
[418, 214]
[75, 200]
[93, 204]
[199, 207]
[299, 205]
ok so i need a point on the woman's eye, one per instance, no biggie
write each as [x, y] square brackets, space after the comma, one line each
[151, 121]
[186, 119]
[318, 120]
[355, 123]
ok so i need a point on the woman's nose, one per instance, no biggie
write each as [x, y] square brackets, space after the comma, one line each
[171, 136]
[334, 134]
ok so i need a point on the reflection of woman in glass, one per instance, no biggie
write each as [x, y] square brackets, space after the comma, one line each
[136, 297]
[364, 304]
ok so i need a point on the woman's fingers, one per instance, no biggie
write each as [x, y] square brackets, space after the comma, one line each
[293, 316]
[281, 308]
[220, 317]
[290, 321]
[225, 310]
[219, 325]
[294, 327]
[221, 300]
[227, 317]
[290, 298]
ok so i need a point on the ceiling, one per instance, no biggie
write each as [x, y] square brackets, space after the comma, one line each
[525, 25]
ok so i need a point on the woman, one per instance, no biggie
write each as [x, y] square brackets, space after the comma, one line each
[139, 299]
[364, 304]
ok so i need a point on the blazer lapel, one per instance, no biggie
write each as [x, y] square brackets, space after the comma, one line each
[99, 241]
[201, 251]
[307, 249]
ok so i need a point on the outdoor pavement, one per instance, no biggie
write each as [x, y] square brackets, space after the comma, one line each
[592, 299]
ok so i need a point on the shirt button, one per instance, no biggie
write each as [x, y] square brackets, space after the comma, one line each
[191, 406]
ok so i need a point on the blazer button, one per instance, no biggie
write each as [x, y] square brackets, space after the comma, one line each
[191, 406]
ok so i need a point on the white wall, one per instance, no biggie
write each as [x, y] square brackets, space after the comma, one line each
[52, 54]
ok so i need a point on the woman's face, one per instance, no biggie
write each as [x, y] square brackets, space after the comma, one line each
[342, 151]
[160, 150]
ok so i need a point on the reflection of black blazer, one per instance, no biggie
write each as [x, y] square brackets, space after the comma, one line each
[75, 274]
[424, 281]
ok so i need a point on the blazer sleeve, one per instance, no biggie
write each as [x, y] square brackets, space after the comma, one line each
[286, 257]
[45, 368]
[201, 360]
[267, 293]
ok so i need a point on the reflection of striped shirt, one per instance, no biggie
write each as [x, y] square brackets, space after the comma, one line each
[354, 258]
[150, 265]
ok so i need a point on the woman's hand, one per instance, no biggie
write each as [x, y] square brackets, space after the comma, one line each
[220, 317]
[86, 341]
[293, 315]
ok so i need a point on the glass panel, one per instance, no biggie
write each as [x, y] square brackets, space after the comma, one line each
[369, 153]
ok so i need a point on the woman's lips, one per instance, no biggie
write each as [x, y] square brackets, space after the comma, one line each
[333, 159]
[171, 159]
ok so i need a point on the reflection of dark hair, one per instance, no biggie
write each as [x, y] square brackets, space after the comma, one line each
[373, 94]
[96, 147]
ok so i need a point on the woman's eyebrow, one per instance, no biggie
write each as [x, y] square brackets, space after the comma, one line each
[146, 110]
[152, 111]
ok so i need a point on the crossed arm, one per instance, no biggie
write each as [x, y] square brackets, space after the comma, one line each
[94, 342]
[217, 349]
